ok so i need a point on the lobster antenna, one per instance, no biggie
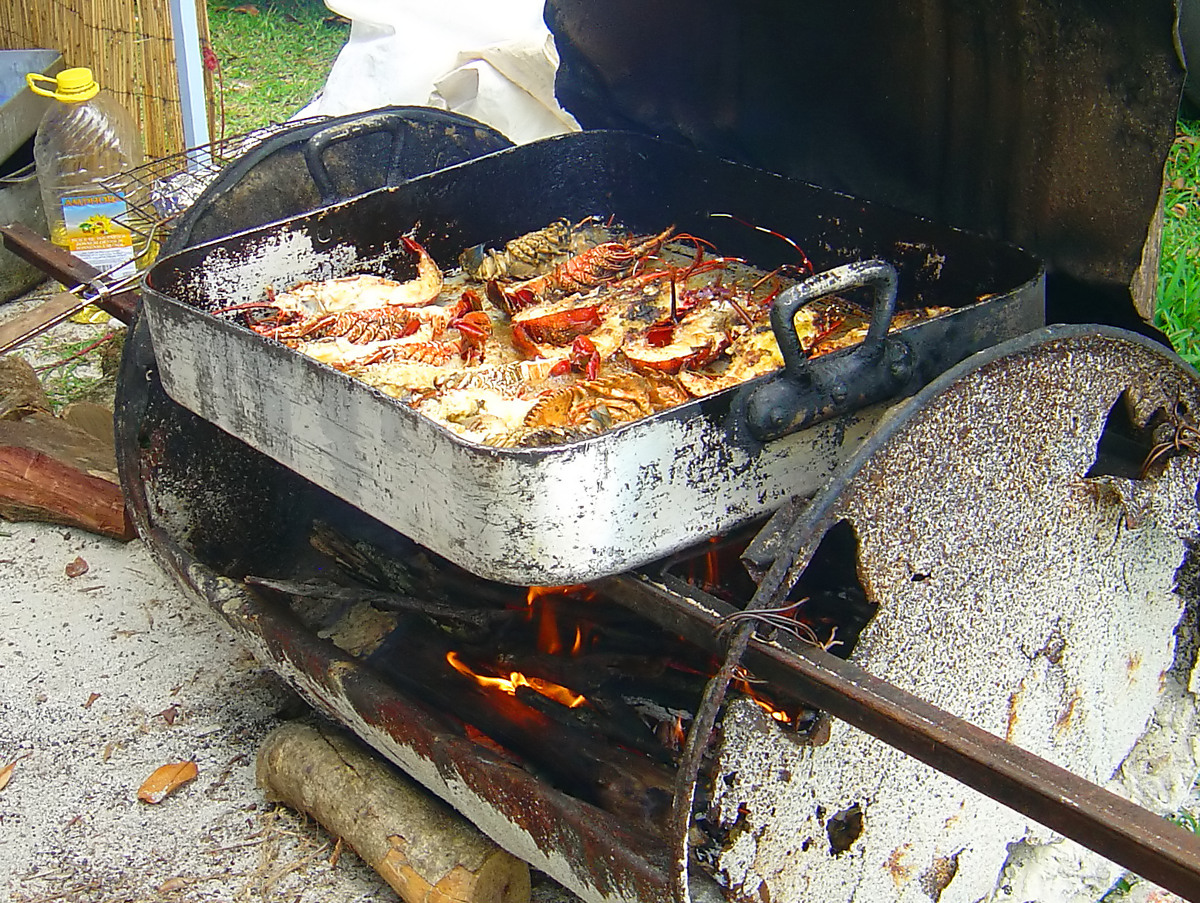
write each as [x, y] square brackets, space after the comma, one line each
[799, 250]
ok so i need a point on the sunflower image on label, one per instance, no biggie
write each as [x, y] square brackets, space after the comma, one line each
[94, 232]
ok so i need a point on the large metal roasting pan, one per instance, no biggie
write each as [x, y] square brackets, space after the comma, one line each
[574, 512]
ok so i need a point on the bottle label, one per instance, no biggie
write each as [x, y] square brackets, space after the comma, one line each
[95, 234]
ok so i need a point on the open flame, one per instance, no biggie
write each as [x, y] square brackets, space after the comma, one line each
[712, 563]
[550, 639]
[778, 714]
[672, 734]
[560, 694]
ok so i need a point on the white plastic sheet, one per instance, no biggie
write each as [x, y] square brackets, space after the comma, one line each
[492, 60]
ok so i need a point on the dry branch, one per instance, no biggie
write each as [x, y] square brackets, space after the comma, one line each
[423, 849]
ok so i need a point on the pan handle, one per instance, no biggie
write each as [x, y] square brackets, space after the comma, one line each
[803, 394]
[314, 150]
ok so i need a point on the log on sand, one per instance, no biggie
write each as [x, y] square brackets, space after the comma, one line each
[57, 469]
[422, 848]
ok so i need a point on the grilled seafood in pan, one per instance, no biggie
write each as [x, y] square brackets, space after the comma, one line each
[533, 253]
[563, 334]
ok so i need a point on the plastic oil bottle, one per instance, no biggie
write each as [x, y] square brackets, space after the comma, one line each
[85, 138]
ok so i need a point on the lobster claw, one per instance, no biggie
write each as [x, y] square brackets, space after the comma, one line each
[510, 302]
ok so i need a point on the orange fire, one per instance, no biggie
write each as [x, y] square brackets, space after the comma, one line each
[778, 714]
[540, 592]
[712, 563]
[550, 638]
[549, 689]
[677, 736]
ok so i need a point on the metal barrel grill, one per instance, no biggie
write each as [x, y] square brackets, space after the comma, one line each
[179, 458]
[228, 476]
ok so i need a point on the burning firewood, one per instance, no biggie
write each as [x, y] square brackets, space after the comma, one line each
[421, 847]
[581, 761]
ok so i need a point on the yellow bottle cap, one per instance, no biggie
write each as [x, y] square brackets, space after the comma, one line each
[70, 86]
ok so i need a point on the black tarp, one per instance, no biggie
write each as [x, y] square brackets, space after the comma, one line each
[1043, 123]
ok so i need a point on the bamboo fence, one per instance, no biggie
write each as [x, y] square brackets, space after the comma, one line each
[128, 44]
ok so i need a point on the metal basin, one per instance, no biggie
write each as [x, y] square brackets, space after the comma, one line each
[598, 506]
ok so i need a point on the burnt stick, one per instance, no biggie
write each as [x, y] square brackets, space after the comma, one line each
[581, 762]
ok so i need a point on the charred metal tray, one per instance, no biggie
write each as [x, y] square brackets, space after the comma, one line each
[602, 505]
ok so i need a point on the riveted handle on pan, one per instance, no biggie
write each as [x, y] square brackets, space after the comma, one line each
[804, 394]
[393, 123]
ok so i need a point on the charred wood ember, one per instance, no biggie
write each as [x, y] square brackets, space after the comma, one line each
[385, 601]
[591, 671]
[581, 762]
[563, 681]
[360, 560]
[615, 720]
[406, 567]
[662, 676]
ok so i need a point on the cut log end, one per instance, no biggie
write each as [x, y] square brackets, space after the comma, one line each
[35, 486]
[61, 470]
[501, 878]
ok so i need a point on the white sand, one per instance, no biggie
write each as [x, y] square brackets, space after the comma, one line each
[123, 636]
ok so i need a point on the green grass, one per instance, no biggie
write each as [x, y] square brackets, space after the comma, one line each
[1178, 314]
[274, 56]
[80, 369]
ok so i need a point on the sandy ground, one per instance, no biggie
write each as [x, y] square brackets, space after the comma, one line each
[103, 678]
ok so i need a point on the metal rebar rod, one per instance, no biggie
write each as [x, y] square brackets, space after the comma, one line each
[70, 270]
[1135, 838]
